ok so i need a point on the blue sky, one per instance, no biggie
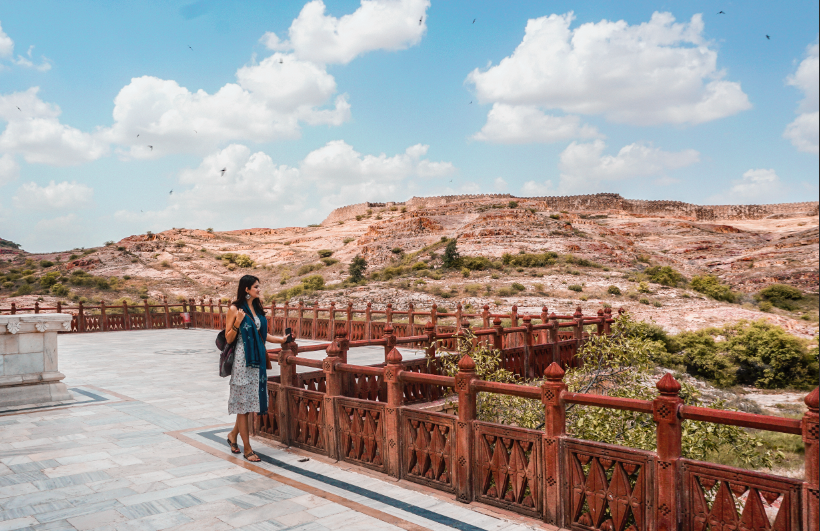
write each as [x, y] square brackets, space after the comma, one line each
[309, 106]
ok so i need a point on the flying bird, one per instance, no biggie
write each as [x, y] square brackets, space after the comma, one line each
[422, 18]
[195, 132]
[138, 135]
[223, 171]
[768, 38]
[171, 192]
[721, 13]
[189, 46]
[281, 61]
[471, 102]
[19, 109]
[152, 148]
[473, 21]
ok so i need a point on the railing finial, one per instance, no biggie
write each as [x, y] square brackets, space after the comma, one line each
[812, 400]
[668, 386]
[554, 372]
[394, 357]
[466, 364]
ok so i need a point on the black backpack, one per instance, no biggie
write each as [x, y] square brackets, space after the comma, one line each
[227, 353]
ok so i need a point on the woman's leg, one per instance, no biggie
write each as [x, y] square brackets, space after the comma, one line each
[242, 422]
[234, 434]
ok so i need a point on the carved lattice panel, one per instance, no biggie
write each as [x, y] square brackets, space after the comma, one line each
[307, 420]
[367, 387]
[361, 433]
[268, 425]
[508, 468]
[312, 381]
[719, 497]
[607, 488]
[513, 360]
[427, 441]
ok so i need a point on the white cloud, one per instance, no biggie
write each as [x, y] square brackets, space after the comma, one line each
[254, 191]
[6, 44]
[651, 73]
[583, 164]
[804, 131]
[536, 189]
[518, 124]
[28, 61]
[34, 130]
[500, 185]
[375, 25]
[9, 169]
[756, 186]
[54, 196]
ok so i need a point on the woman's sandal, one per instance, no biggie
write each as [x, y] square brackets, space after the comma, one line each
[234, 447]
[250, 457]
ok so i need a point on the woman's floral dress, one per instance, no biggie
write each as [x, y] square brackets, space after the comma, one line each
[244, 396]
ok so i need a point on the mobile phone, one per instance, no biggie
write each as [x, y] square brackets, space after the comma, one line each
[288, 335]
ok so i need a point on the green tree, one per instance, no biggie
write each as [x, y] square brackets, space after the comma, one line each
[711, 286]
[357, 268]
[451, 256]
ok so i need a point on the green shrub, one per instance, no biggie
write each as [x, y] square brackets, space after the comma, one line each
[711, 286]
[613, 290]
[512, 204]
[8, 285]
[418, 266]
[348, 240]
[308, 268]
[518, 287]
[59, 290]
[555, 216]
[781, 295]
[329, 261]
[102, 283]
[575, 287]
[244, 261]
[664, 275]
[46, 263]
[325, 253]
[643, 287]
[73, 257]
[396, 250]
[529, 260]
[49, 279]
[357, 268]
[476, 263]
[582, 262]
[505, 292]
[313, 282]
[25, 289]
[765, 306]
[644, 300]
[465, 272]
[451, 256]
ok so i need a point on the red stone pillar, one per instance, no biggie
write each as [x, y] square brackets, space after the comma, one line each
[287, 380]
[334, 388]
[607, 318]
[59, 307]
[395, 399]
[458, 315]
[529, 372]
[542, 335]
[462, 465]
[389, 340]
[36, 306]
[430, 331]
[434, 316]
[665, 413]
[80, 316]
[14, 308]
[300, 314]
[556, 354]
[811, 488]
[349, 314]
[389, 313]
[126, 320]
[485, 316]
[600, 323]
[411, 319]
[168, 315]
[148, 324]
[498, 338]
[368, 321]
[554, 429]
[331, 327]
[314, 326]
[103, 318]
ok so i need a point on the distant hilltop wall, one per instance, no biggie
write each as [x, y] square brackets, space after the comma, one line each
[597, 203]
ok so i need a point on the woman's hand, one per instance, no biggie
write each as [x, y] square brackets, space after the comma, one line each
[240, 315]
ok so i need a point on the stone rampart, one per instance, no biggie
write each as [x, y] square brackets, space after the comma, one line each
[598, 203]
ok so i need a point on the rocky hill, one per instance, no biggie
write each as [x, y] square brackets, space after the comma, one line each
[599, 241]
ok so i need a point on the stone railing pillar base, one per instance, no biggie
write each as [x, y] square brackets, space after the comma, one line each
[28, 359]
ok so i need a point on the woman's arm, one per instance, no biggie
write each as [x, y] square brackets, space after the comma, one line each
[232, 322]
[275, 339]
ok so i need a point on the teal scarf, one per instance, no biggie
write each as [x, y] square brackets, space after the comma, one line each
[256, 355]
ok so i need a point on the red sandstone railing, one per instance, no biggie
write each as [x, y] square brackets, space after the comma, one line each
[369, 416]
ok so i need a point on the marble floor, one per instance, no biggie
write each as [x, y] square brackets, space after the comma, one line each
[142, 448]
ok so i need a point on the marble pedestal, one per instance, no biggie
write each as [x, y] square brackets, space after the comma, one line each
[28, 359]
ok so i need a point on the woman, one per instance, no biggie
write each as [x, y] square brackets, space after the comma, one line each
[246, 321]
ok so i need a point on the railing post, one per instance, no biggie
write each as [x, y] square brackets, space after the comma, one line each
[600, 323]
[811, 493]
[556, 354]
[529, 372]
[80, 316]
[202, 304]
[368, 331]
[148, 322]
[211, 305]
[300, 314]
[168, 315]
[554, 428]
[272, 322]
[458, 315]
[411, 319]
[498, 337]
[464, 429]
[59, 307]
[665, 413]
[14, 308]
[331, 327]
[388, 312]
[430, 331]
[607, 318]
[125, 319]
[514, 320]
[103, 318]
[395, 399]
[287, 380]
[434, 316]
[36, 306]
[485, 316]
[389, 340]
[350, 320]
[314, 327]
[334, 388]
[542, 334]
[286, 311]
[578, 329]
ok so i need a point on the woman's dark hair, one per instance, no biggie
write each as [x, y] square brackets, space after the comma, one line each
[244, 283]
